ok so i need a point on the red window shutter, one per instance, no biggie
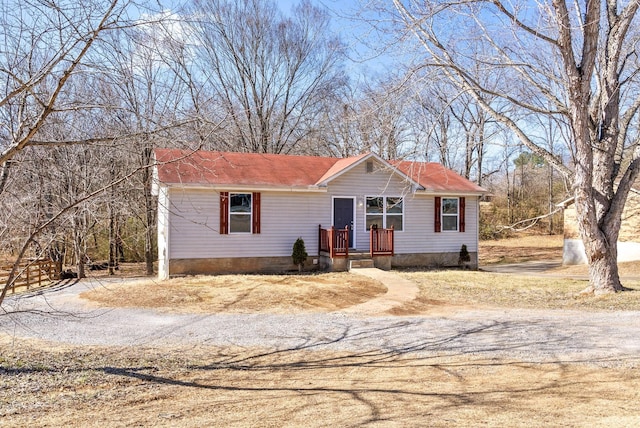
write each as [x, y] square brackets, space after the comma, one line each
[255, 198]
[224, 213]
[436, 222]
[461, 214]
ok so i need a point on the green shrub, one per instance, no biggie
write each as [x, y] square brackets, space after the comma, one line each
[299, 254]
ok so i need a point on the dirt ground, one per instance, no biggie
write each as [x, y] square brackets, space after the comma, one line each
[49, 384]
[96, 387]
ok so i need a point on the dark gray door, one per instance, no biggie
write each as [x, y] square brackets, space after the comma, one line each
[343, 216]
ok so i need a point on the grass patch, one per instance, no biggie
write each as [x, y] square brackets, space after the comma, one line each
[521, 249]
[625, 269]
[242, 293]
[483, 289]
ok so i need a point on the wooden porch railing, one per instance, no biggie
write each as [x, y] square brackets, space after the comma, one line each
[334, 241]
[32, 273]
[381, 242]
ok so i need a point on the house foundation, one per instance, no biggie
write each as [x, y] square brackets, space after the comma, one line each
[433, 260]
[179, 267]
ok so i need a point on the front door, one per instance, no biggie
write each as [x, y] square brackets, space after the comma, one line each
[343, 216]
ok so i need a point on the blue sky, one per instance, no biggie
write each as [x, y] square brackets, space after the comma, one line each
[362, 60]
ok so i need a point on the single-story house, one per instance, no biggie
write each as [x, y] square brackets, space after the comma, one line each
[573, 252]
[242, 212]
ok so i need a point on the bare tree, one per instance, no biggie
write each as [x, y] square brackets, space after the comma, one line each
[52, 101]
[453, 128]
[147, 95]
[432, 117]
[369, 118]
[382, 122]
[337, 133]
[78, 211]
[45, 44]
[478, 130]
[582, 60]
[268, 70]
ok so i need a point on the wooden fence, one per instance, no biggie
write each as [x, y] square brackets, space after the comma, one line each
[34, 273]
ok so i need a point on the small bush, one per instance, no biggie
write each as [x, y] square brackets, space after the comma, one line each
[464, 256]
[299, 254]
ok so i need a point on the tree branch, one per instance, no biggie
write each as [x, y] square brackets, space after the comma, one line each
[17, 146]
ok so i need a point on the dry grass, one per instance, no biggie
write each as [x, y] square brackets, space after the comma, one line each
[440, 291]
[483, 289]
[626, 269]
[456, 290]
[521, 249]
[539, 247]
[242, 293]
[103, 387]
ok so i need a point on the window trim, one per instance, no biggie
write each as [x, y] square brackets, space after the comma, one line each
[250, 214]
[384, 213]
[456, 215]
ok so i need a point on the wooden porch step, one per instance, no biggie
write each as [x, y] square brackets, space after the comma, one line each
[360, 263]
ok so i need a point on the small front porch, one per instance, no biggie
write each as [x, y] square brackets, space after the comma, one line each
[336, 253]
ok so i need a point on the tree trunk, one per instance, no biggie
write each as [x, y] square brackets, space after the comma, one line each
[551, 207]
[468, 155]
[149, 210]
[480, 148]
[79, 230]
[599, 234]
[80, 257]
[112, 225]
[112, 241]
[4, 174]
[444, 143]
[603, 275]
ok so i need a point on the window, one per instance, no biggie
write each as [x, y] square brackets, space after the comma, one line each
[374, 213]
[450, 214]
[384, 212]
[240, 212]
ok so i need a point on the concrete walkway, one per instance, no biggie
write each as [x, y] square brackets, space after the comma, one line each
[399, 291]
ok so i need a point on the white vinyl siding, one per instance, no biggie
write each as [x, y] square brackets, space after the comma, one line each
[418, 234]
[420, 237]
[285, 216]
[358, 182]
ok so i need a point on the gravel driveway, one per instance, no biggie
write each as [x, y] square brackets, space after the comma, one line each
[601, 338]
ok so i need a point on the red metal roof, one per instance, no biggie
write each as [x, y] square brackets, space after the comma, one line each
[434, 176]
[254, 169]
[230, 168]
